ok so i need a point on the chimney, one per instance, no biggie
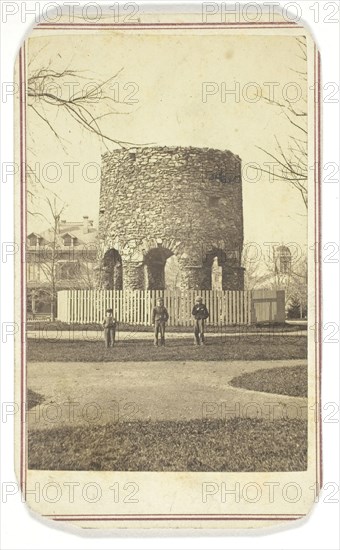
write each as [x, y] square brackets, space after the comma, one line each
[85, 224]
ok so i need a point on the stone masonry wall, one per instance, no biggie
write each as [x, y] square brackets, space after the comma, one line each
[172, 200]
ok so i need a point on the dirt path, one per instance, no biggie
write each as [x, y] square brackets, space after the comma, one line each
[97, 393]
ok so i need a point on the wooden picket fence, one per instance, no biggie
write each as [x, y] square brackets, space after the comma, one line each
[227, 307]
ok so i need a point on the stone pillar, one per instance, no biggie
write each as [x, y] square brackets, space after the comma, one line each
[109, 271]
[232, 278]
[195, 277]
[104, 276]
[117, 277]
[110, 277]
[106, 281]
[133, 275]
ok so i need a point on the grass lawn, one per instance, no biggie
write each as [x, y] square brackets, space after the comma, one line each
[33, 399]
[263, 347]
[235, 445]
[44, 326]
[285, 381]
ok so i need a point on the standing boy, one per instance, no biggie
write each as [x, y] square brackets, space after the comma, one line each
[159, 318]
[109, 325]
[200, 313]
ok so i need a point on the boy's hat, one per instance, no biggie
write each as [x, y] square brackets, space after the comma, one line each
[109, 311]
[198, 299]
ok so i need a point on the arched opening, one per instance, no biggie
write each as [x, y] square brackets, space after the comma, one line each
[155, 261]
[172, 273]
[112, 270]
[216, 275]
[214, 261]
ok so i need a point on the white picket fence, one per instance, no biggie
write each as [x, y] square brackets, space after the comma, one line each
[135, 306]
[226, 307]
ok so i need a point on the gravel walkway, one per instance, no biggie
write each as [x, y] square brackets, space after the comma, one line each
[97, 393]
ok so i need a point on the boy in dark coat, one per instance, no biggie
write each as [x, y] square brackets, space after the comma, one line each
[159, 318]
[109, 325]
[200, 313]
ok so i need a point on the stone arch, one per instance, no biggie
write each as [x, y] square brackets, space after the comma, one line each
[213, 264]
[112, 270]
[154, 262]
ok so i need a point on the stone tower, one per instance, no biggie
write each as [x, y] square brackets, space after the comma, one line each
[156, 202]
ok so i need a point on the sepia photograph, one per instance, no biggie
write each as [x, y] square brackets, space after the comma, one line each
[168, 214]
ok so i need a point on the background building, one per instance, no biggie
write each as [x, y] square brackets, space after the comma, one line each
[281, 268]
[62, 257]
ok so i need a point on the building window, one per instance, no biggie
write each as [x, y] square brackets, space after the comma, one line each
[34, 240]
[33, 272]
[30, 272]
[69, 240]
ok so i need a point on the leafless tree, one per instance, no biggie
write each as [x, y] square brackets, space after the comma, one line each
[49, 256]
[290, 160]
[256, 271]
[299, 284]
[51, 94]
[83, 275]
[49, 89]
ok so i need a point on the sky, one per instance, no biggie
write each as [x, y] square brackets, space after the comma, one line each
[165, 76]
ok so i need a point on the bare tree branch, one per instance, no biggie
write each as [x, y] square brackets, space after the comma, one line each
[292, 157]
[45, 87]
